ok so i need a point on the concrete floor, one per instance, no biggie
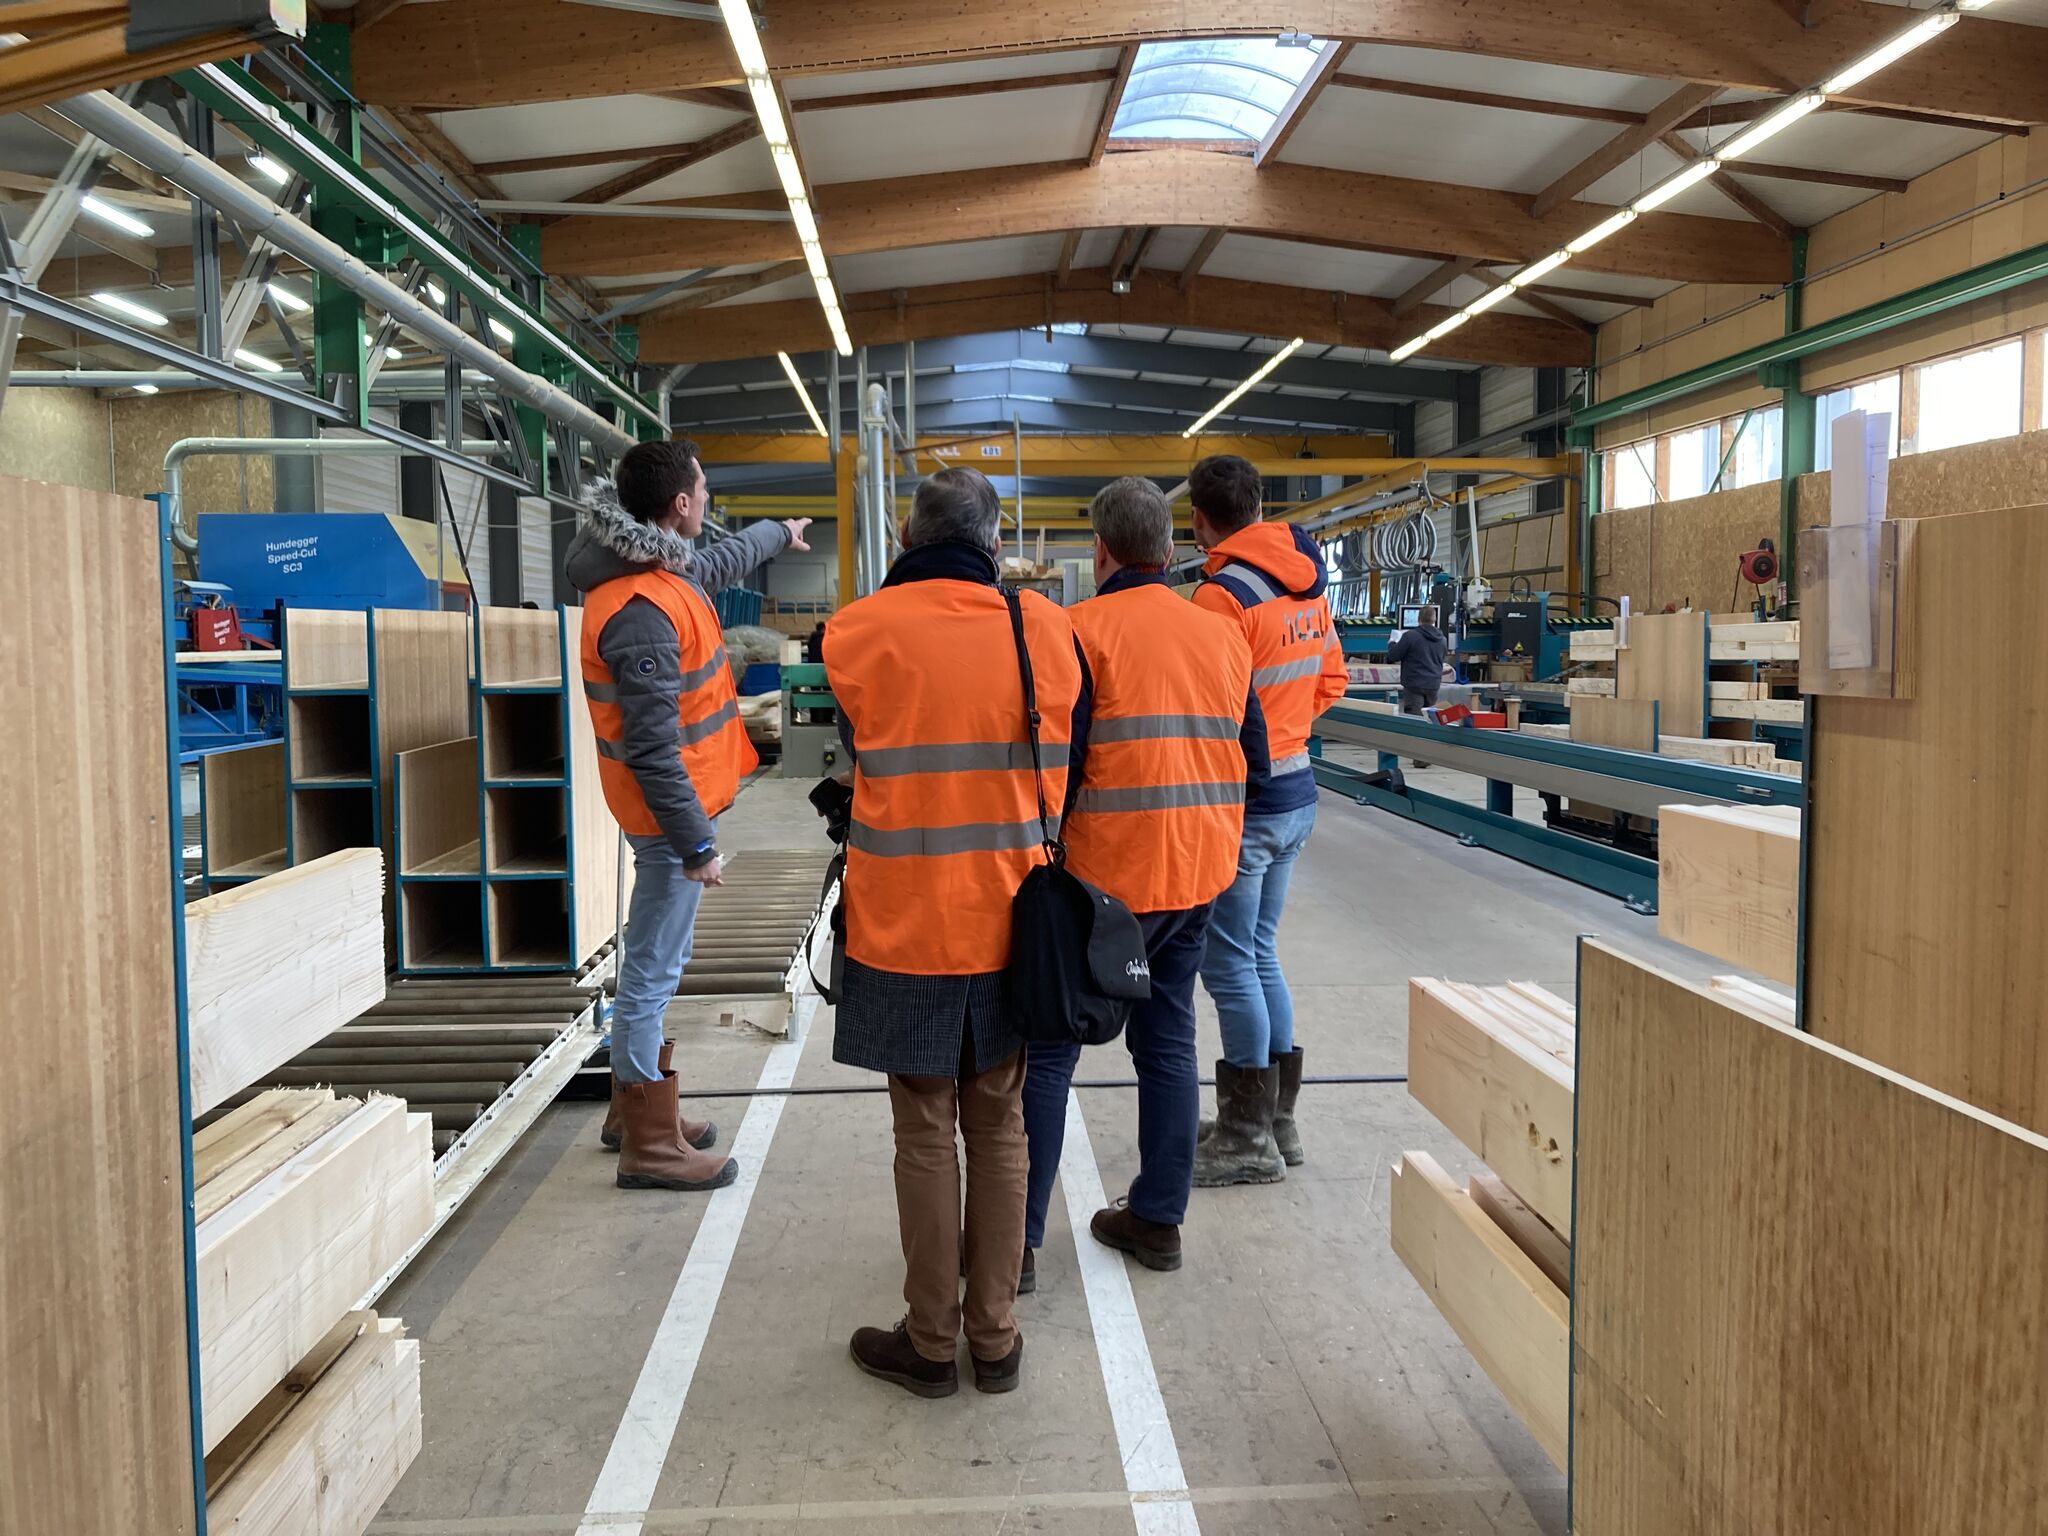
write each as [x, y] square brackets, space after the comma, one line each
[1308, 1385]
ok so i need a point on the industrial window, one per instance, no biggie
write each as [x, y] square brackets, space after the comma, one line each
[1695, 461]
[1719, 455]
[1969, 398]
[1871, 395]
[1632, 476]
[1211, 88]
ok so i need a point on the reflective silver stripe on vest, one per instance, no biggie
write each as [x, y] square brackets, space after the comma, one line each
[699, 676]
[600, 693]
[958, 757]
[1159, 797]
[1286, 672]
[930, 842]
[711, 724]
[1164, 728]
[614, 750]
[1254, 578]
[1294, 764]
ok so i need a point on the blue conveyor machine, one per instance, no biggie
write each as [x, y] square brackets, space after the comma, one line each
[1525, 628]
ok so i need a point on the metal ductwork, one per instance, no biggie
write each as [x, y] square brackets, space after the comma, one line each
[133, 133]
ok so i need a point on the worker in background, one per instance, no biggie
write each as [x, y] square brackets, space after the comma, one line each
[1420, 653]
[945, 825]
[1175, 738]
[671, 752]
[1269, 579]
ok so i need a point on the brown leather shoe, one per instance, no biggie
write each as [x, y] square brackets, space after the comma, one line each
[701, 1134]
[1152, 1244]
[999, 1375]
[652, 1154]
[888, 1355]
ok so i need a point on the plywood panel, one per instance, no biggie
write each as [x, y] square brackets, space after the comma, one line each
[595, 835]
[422, 689]
[326, 648]
[95, 1435]
[518, 645]
[1728, 883]
[1666, 660]
[243, 795]
[1925, 898]
[1630, 724]
[1808, 1295]
[438, 803]
[275, 965]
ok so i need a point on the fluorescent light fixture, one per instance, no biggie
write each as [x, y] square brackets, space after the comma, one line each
[500, 330]
[1445, 326]
[145, 389]
[1972, 5]
[805, 221]
[131, 309]
[392, 354]
[257, 361]
[122, 220]
[269, 169]
[436, 292]
[802, 394]
[1540, 270]
[1406, 350]
[1614, 224]
[1773, 122]
[1664, 191]
[287, 298]
[746, 35]
[1238, 393]
[1855, 73]
[1488, 299]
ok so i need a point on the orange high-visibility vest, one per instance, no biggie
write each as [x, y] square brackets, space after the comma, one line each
[945, 812]
[1159, 818]
[1297, 659]
[715, 750]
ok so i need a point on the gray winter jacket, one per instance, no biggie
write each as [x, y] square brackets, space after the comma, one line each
[611, 543]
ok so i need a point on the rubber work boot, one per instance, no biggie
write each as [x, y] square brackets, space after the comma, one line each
[701, 1134]
[1240, 1150]
[652, 1155]
[1153, 1244]
[888, 1355]
[1285, 1136]
[999, 1375]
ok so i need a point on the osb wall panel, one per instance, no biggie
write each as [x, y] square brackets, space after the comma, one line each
[145, 426]
[1528, 546]
[57, 435]
[1695, 324]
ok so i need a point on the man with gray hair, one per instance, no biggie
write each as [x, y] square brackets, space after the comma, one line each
[1175, 739]
[945, 825]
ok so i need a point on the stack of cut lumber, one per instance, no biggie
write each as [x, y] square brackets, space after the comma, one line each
[1728, 883]
[304, 1201]
[1739, 638]
[762, 713]
[1494, 1063]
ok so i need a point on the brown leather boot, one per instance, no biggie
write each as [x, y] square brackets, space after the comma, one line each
[999, 1375]
[652, 1154]
[888, 1355]
[1151, 1243]
[701, 1134]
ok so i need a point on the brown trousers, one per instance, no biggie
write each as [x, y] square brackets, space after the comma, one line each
[989, 1109]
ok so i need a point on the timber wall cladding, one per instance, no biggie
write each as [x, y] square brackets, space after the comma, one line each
[95, 1437]
[1808, 1294]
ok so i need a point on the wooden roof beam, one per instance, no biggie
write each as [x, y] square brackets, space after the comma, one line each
[1623, 147]
[1302, 102]
[1736, 193]
[1433, 282]
[1200, 259]
[1115, 99]
[659, 169]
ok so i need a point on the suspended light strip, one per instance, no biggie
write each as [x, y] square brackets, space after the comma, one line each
[257, 361]
[291, 301]
[1238, 393]
[501, 330]
[802, 394]
[746, 47]
[131, 309]
[1931, 25]
[107, 213]
[269, 169]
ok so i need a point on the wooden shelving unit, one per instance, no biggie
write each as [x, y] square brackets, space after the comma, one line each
[242, 813]
[330, 736]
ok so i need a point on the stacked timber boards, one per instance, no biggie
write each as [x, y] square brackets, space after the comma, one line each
[1808, 1294]
[95, 1428]
[1728, 883]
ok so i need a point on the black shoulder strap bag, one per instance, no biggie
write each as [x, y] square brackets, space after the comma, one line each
[1077, 955]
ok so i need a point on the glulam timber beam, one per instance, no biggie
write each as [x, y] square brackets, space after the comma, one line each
[1156, 298]
[1172, 188]
[473, 53]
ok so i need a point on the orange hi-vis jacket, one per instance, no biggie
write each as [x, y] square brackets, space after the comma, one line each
[945, 808]
[715, 750]
[1269, 579]
[1160, 815]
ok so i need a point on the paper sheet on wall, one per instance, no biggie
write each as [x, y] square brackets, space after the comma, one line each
[1860, 482]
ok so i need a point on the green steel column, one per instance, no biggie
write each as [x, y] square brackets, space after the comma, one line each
[340, 334]
[1797, 434]
[530, 354]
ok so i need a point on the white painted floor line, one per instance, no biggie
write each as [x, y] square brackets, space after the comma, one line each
[632, 1468]
[1160, 1502]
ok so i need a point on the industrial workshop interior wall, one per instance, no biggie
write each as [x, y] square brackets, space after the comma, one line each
[1975, 209]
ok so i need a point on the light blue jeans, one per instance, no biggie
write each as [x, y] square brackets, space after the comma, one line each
[661, 927]
[1241, 966]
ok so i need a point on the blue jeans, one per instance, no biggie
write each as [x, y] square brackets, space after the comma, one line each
[1161, 1038]
[661, 926]
[1242, 967]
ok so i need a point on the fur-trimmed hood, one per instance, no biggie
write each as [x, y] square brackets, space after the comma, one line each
[610, 542]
